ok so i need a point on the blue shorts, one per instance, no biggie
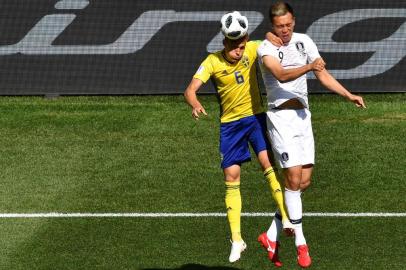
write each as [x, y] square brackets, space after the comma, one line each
[235, 137]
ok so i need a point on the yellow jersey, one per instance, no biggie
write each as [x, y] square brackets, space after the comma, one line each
[236, 83]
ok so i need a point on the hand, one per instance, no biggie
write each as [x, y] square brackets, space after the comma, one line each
[318, 64]
[358, 101]
[198, 110]
[275, 40]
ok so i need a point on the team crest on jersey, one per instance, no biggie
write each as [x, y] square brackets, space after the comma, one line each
[285, 156]
[300, 48]
[245, 61]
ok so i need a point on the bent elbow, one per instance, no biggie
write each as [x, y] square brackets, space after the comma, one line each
[186, 94]
[282, 78]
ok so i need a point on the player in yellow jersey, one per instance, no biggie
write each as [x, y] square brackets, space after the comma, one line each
[243, 120]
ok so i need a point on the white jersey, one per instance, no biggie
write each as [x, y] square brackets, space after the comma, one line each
[300, 51]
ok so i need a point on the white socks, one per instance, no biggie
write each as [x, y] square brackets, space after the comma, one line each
[276, 227]
[293, 203]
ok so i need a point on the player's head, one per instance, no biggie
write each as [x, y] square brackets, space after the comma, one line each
[234, 49]
[283, 20]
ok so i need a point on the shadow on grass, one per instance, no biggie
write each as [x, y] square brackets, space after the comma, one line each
[195, 267]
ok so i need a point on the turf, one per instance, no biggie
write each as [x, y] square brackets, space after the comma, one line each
[147, 154]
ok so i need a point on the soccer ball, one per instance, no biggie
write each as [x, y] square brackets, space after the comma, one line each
[234, 25]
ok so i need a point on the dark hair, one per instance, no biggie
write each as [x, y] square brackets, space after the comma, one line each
[279, 9]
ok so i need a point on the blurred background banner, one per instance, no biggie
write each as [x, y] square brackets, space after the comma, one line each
[85, 47]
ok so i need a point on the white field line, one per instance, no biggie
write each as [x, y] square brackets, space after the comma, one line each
[187, 215]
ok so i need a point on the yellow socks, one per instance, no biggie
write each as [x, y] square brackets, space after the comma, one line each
[233, 204]
[276, 191]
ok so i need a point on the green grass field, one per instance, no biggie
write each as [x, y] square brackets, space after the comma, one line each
[147, 155]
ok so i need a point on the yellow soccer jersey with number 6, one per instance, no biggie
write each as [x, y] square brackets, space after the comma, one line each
[236, 84]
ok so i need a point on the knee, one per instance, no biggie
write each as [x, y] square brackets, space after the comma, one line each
[232, 173]
[305, 184]
[232, 177]
[293, 184]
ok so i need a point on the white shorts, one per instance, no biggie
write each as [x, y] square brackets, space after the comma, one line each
[291, 135]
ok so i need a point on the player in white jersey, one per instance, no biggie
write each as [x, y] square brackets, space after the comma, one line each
[289, 118]
[298, 52]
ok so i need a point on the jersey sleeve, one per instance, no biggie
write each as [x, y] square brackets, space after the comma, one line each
[251, 48]
[258, 42]
[312, 52]
[266, 48]
[205, 70]
[255, 44]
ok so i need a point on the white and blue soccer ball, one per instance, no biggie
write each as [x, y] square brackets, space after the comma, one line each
[234, 25]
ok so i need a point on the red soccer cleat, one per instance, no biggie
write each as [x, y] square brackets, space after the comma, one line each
[271, 247]
[303, 257]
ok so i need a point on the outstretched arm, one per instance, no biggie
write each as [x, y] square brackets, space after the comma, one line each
[284, 75]
[333, 85]
[191, 98]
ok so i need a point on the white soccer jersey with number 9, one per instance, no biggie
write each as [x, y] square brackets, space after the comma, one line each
[300, 51]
